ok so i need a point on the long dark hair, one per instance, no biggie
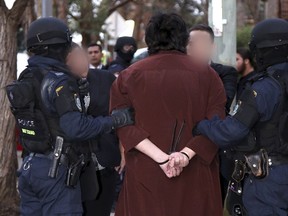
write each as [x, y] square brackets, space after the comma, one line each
[166, 32]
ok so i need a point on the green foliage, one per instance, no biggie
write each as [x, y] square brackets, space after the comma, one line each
[243, 36]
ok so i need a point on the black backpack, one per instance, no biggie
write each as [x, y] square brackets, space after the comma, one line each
[24, 95]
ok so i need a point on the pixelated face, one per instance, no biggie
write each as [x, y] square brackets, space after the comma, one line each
[95, 55]
[77, 62]
[200, 46]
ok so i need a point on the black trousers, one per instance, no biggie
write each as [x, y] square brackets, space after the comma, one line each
[102, 205]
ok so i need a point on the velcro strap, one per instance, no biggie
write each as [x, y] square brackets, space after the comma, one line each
[67, 100]
[247, 112]
[41, 37]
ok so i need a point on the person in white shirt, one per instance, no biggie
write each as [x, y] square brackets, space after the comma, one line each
[95, 55]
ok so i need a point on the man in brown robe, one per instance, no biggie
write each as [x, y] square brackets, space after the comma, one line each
[170, 94]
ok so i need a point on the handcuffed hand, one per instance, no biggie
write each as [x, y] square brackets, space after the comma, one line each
[178, 159]
[171, 171]
[175, 164]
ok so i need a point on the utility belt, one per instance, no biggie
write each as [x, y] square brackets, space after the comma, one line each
[63, 158]
[67, 156]
[75, 164]
[257, 164]
[74, 167]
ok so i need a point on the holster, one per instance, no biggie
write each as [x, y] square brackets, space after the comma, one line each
[233, 201]
[258, 163]
[239, 171]
[74, 171]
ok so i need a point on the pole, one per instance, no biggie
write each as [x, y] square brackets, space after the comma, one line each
[222, 18]
[46, 8]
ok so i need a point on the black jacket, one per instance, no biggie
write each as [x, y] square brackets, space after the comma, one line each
[118, 65]
[106, 146]
[242, 83]
[228, 76]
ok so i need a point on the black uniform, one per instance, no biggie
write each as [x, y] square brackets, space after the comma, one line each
[50, 106]
[118, 65]
[242, 83]
[124, 58]
[228, 76]
[260, 119]
[106, 146]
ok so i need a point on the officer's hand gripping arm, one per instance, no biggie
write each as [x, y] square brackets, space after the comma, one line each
[234, 128]
[122, 117]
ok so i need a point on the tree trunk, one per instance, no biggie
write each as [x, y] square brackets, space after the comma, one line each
[8, 165]
[27, 17]
[9, 20]
[60, 8]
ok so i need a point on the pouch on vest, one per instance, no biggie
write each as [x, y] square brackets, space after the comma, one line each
[25, 100]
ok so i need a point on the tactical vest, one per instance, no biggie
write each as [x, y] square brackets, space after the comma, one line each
[38, 127]
[26, 106]
[69, 100]
[270, 134]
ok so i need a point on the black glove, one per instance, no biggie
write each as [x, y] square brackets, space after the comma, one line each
[195, 131]
[83, 86]
[123, 117]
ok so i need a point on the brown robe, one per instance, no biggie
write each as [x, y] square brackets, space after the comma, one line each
[162, 88]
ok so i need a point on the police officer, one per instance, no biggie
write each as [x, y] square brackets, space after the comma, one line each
[63, 107]
[260, 117]
[125, 48]
[105, 146]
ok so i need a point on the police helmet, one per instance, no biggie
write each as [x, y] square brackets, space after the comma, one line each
[269, 33]
[47, 31]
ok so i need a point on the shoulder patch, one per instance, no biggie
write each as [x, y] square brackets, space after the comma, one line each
[58, 90]
[254, 93]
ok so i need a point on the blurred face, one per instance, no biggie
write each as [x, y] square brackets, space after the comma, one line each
[200, 46]
[95, 55]
[78, 63]
[240, 64]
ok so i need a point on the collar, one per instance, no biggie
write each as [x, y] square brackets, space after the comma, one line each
[47, 63]
[248, 76]
[280, 66]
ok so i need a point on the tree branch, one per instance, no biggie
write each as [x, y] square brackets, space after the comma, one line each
[114, 8]
[17, 10]
[76, 18]
[3, 6]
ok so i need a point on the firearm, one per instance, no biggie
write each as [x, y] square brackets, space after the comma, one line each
[53, 171]
[74, 171]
